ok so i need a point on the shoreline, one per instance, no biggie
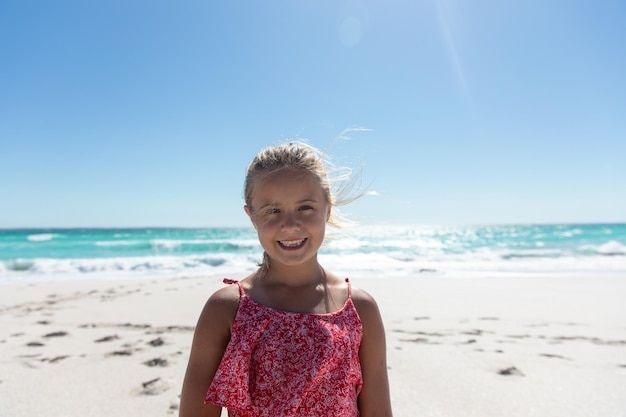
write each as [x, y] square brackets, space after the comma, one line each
[513, 346]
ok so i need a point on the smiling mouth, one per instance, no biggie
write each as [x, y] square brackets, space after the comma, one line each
[292, 244]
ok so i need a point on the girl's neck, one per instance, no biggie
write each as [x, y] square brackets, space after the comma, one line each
[311, 274]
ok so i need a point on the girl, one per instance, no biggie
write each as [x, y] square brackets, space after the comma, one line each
[292, 339]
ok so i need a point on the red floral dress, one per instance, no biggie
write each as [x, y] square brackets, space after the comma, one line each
[284, 364]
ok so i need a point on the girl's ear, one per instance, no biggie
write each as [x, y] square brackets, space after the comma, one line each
[247, 210]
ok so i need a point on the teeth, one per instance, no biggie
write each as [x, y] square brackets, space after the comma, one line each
[291, 243]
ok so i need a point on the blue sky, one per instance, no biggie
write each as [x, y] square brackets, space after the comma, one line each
[146, 113]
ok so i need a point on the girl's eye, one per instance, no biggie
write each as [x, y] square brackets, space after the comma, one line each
[272, 210]
[306, 208]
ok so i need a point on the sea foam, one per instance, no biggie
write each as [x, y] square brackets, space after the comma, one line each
[42, 237]
[381, 251]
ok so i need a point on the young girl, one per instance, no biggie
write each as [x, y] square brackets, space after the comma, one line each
[292, 339]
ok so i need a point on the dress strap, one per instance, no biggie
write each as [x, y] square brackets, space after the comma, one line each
[349, 288]
[229, 281]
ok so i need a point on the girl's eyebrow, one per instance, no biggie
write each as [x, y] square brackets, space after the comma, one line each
[276, 203]
[268, 204]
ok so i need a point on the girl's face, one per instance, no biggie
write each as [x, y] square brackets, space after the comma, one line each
[289, 210]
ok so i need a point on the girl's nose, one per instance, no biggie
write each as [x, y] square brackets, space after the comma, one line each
[290, 221]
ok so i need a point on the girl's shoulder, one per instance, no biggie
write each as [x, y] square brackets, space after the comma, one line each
[230, 294]
[365, 305]
[221, 307]
[226, 297]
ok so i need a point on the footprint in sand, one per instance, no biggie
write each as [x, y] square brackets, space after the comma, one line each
[157, 362]
[107, 339]
[154, 386]
[156, 342]
[174, 406]
[125, 352]
[55, 359]
[56, 334]
[553, 355]
[510, 371]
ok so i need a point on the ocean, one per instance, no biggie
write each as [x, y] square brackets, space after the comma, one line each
[372, 251]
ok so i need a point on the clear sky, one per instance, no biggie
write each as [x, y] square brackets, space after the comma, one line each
[147, 112]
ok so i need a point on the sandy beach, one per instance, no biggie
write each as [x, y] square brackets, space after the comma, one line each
[507, 346]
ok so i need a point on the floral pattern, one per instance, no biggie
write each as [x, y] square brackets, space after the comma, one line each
[283, 364]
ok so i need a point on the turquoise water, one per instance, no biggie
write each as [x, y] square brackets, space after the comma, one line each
[370, 250]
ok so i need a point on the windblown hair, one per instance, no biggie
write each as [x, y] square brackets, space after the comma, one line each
[338, 184]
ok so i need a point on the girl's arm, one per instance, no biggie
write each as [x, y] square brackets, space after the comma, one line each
[374, 399]
[210, 339]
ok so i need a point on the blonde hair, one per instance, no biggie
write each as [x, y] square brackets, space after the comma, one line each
[338, 184]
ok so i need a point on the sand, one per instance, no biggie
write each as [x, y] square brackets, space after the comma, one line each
[507, 346]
